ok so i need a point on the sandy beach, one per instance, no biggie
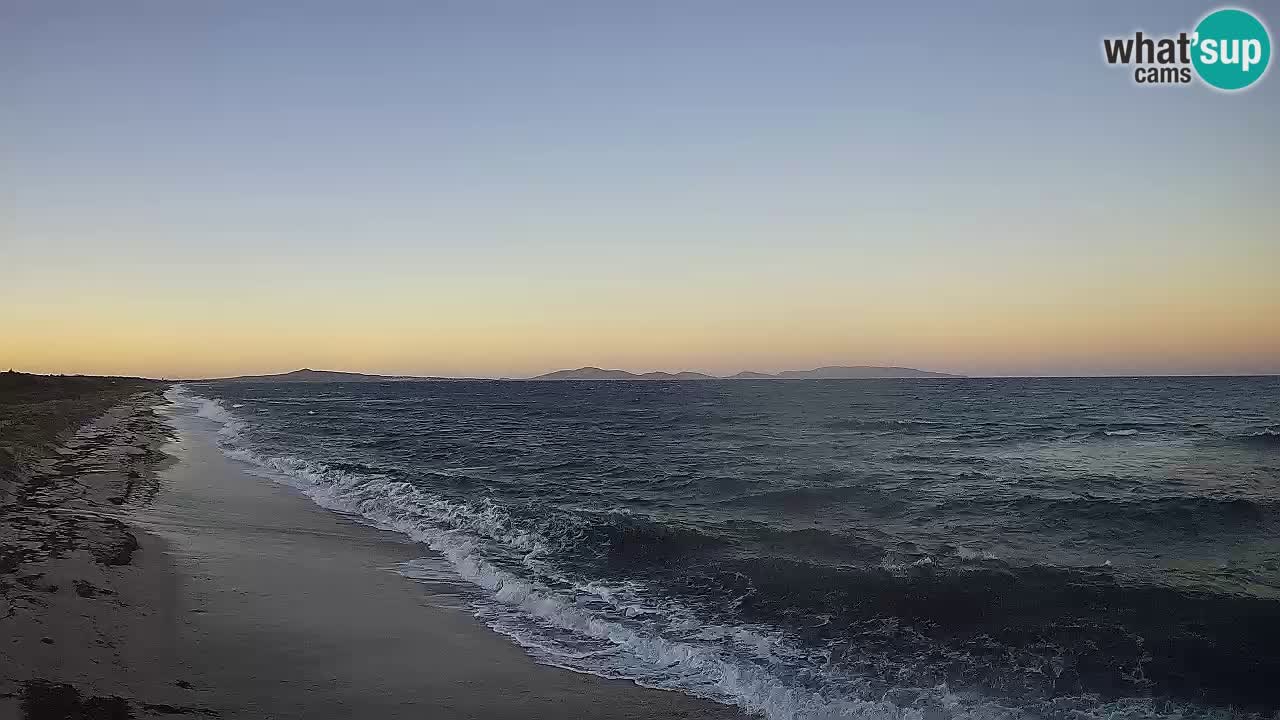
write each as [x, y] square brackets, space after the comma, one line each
[187, 587]
[87, 602]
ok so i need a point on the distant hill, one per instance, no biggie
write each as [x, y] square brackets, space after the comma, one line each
[751, 375]
[822, 373]
[595, 373]
[686, 375]
[588, 373]
[839, 372]
[307, 375]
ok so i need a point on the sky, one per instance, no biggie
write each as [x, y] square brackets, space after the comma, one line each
[506, 188]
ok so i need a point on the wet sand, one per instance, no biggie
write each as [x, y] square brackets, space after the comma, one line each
[289, 610]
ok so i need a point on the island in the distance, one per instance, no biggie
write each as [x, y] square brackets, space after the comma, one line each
[863, 372]
[831, 372]
[307, 375]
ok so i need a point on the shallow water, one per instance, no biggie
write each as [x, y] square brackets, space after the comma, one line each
[923, 548]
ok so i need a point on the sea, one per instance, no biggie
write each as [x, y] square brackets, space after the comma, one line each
[916, 549]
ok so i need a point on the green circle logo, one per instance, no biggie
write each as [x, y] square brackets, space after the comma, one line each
[1231, 49]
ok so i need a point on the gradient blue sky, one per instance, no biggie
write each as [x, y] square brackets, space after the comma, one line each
[506, 188]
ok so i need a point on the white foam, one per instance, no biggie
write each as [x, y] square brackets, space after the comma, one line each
[231, 427]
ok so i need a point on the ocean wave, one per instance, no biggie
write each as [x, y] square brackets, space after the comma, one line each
[1269, 438]
[1174, 514]
[231, 426]
[1003, 627]
[848, 545]
[866, 495]
[630, 538]
[965, 553]
[883, 425]
[1054, 430]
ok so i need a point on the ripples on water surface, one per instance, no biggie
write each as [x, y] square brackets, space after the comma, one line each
[898, 549]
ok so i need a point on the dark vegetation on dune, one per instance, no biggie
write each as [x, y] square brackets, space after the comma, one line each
[38, 410]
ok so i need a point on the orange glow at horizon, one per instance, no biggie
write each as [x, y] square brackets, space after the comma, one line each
[1188, 318]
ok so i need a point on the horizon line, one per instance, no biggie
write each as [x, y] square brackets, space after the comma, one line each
[943, 375]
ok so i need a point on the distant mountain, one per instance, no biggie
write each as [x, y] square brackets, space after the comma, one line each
[839, 372]
[750, 375]
[595, 373]
[822, 373]
[307, 375]
[686, 375]
[588, 373]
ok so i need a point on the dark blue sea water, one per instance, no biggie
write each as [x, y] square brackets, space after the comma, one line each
[1062, 548]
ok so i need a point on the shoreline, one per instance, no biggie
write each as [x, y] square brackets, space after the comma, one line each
[180, 584]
